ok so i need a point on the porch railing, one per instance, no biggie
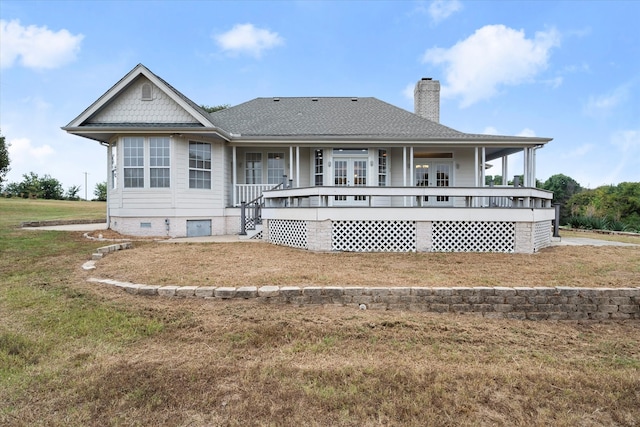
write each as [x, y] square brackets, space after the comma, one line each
[467, 197]
[251, 211]
[246, 192]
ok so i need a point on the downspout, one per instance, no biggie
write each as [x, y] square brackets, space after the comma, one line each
[109, 166]
[291, 160]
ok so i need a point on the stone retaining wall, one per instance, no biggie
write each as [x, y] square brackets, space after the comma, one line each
[535, 303]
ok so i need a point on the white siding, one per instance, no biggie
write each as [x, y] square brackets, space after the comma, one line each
[128, 107]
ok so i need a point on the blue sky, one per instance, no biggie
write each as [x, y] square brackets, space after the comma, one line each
[565, 70]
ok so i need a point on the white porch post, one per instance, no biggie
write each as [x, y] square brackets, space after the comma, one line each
[411, 173]
[505, 170]
[483, 166]
[533, 166]
[404, 172]
[297, 166]
[234, 176]
[526, 168]
[476, 166]
[291, 161]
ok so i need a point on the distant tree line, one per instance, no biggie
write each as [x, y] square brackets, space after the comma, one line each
[33, 186]
[609, 207]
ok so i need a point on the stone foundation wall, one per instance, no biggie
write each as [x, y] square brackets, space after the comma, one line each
[535, 303]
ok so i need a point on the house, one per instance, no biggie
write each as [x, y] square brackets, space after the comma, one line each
[319, 173]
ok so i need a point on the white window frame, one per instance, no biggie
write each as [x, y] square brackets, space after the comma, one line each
[253, 174]
[160, 162]
[200, 169]
[275, 168]
[133, 163]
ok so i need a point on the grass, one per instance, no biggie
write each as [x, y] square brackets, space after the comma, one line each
[76, 354]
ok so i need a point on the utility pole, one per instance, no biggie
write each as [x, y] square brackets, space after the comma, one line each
[85, 185]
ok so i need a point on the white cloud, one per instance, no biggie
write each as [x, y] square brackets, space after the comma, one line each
[408, 91]
[580, 151]
[247, 39]
[36, 47]
[526, 132]
[603, 105]
[440, 10]
[492, 57]
[22, 151]
[490, 130]
[627, 140]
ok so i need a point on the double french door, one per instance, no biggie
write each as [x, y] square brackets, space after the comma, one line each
[349, 172]
[433, 174]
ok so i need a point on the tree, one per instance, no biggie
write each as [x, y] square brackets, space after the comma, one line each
[563, 187]
[50, 188]
[4, 159]
[215, 108]
[101, 191]
[72, 193]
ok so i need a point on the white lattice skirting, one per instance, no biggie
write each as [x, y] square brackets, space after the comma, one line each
[542, 235]
[288, 233]
[473, 236]
[373, 236]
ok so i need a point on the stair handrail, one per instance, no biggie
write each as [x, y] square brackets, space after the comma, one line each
[257, 205]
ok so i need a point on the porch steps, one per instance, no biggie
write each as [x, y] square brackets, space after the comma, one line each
[253, 234]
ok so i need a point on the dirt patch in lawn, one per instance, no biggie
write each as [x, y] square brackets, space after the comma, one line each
[260, 264]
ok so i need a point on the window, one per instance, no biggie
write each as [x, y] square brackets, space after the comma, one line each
[382, 168]
[147, 92]
[275, 168]
[319, 168]
[114, 165]
[159, 162]
[199, 165]
[133, 162]
[253, 168]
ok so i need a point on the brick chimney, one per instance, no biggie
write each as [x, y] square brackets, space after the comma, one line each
[426, 99]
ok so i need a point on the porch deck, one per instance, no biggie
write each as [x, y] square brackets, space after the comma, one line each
[409, 219]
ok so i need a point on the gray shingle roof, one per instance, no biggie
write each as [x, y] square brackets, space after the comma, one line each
[326, 116]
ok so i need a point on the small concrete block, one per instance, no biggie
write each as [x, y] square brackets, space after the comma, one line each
[89, 265]
[442, 292]
[268, 291]
[333, 291]
[537, 316]
[504, 291]
[312, 291]
[566, 291]
[542, 290]
[148, 290]
[502, 308]
[400, 291]
[186, 291]
[380, 292]
[290, 291]
[131, 288]
[97, 256]
[224, 292]
[620, 316]
[558, 315]
[247, 292]
[482, 308]
[495, 315]
[629, 308]
[461, 308]
[421, 292]
[484, 291]
[440, 308]
[167, 291]
[352, 291]
[608, 308]
[526, 291]
[599, 316]
[204, 291]
[620, 300]
[464, 291]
